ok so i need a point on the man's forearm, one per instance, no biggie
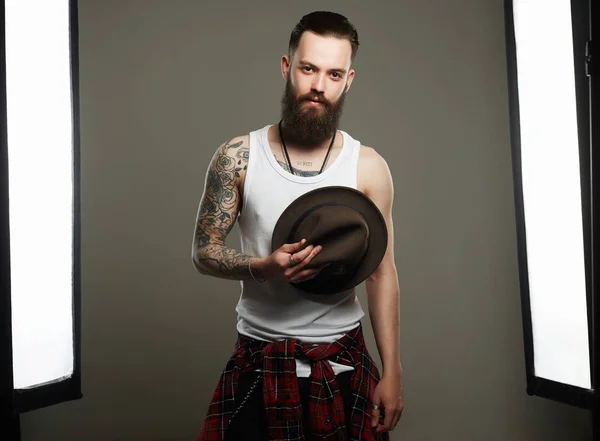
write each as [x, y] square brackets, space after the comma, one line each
[383, 296]
[220, 261]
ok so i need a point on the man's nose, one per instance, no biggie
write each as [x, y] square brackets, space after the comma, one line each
[318, 83]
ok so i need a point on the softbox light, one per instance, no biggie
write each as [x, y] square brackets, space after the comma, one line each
[40, 208]
[551, 79]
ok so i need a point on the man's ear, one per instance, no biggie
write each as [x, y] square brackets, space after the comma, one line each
[286, 63]
[351, 75]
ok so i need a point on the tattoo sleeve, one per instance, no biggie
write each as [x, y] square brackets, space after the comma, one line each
[217, 214]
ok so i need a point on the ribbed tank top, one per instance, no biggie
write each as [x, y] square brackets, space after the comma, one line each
[274, 310]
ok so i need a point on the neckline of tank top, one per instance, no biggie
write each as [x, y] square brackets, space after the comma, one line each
[297, 178]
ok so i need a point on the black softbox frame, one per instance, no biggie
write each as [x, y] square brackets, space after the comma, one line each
[15, 402]
[584, 16]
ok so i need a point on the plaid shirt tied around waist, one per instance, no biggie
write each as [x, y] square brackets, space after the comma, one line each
[282, 398]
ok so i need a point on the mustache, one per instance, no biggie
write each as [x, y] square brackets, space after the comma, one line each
[313, 97]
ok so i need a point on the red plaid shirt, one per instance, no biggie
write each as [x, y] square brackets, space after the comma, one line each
[281, 395]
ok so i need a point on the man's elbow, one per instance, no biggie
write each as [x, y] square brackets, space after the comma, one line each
[198, 262]
[385, 269]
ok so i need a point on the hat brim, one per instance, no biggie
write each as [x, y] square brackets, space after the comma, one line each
[378, 234]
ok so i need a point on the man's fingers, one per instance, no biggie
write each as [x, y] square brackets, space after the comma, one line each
[375, 418]
[304, 275]
[304, 257]
[384, 419]
[397, 415]
[306, 253]
[293, 247]
[389, 417]
[299, 261]
[297, 252]
[376, 411]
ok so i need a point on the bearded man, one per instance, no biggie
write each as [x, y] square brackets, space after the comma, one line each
[300, 368]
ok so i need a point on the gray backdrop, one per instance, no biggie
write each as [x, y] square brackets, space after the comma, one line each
[163, 83]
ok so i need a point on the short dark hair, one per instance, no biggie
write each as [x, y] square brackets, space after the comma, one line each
[327, 24]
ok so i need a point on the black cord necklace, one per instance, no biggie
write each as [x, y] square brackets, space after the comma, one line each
[287, 156]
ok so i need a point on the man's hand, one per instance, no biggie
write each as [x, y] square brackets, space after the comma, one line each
[388, 397]
[278, 265]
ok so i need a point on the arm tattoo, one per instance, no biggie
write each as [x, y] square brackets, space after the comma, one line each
[217, 214]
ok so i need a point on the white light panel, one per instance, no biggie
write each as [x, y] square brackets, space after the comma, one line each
[551, 190]
[41, 189]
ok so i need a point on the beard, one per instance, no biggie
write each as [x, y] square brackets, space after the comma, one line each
[309, 125]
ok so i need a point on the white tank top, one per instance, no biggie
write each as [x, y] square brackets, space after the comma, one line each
[274, 310]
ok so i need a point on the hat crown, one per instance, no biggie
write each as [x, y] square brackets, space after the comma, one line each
[342, 232]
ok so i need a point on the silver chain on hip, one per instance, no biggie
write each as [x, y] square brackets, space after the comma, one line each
[246, 397]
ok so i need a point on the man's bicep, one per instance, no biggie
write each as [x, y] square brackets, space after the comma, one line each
[220, 202]
[380, 190]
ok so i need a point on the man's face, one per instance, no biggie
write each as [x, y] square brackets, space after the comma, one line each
[316, 84]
